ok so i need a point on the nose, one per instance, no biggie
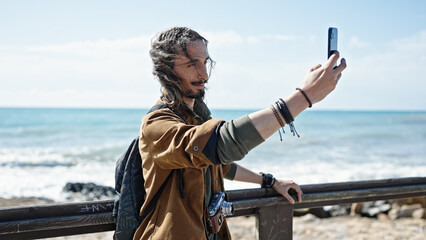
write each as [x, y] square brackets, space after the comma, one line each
[202, 72]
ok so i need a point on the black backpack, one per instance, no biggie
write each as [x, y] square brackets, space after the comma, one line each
[128, 177]
[129, 184]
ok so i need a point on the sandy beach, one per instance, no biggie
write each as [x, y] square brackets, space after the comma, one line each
[309, 227]
[347, 227]
[306, 227]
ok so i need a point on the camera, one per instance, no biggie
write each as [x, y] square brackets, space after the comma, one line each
[219, 202]
[218, 209]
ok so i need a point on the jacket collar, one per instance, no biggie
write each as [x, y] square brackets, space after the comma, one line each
[198, 115]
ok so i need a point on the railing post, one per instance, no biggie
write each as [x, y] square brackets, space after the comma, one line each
[275, 222]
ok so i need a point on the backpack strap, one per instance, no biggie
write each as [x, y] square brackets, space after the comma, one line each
[157, 107]
[154, 200]
[163, 105]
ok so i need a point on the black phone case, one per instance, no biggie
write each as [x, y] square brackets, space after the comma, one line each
[329, 51]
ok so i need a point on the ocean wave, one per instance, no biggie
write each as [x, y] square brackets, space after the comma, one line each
[59, 157]
[50, 164]
[42, 150]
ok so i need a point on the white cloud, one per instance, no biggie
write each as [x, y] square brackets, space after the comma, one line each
[130, 97]
[253, 39]
[31, 75]
[225, 38]
[265, 38]
[282, 37]
[135, 42]
[98, 48]
[355, 42]
[415, 43]
[312, 38]
[391, 79]
[118, 73]
[230, 38]
[403, 57]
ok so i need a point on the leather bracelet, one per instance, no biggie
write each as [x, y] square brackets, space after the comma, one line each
[285, 111]
[306, 96]
[277, 116]
[267, 180]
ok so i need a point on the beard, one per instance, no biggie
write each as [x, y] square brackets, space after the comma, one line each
[191, 94]
[196, 94]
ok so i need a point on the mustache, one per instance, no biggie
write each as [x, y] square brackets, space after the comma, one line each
[199, 82]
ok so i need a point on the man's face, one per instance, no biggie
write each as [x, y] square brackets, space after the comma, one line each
[192, 69]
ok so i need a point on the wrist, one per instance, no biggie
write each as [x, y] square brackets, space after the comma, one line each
[268, 180]
[296, 103]
[305, 96]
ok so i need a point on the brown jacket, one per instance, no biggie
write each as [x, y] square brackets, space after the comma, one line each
[168, 143]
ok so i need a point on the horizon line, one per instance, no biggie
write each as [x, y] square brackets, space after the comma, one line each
[216, 109]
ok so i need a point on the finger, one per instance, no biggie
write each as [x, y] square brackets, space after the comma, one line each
[289, 198]
[315, 68]
[341, 66]
[332, 60]
[296, 190]
[299, 194]
[338, 77]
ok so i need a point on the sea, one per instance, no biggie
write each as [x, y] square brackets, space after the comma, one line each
[42, 149]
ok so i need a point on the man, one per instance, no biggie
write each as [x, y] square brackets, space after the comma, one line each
[183, 147]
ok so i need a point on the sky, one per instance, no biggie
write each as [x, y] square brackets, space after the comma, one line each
[88, 54]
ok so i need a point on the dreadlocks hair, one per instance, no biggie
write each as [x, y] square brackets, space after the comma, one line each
[165, 47]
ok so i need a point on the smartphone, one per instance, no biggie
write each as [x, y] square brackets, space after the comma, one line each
[332, 41]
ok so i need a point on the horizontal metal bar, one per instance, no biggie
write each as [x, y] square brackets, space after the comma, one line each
[309, 199]
[59, 232]
[55, 210]
[331, 198]
[317, 204]
[312, 199]
[366, 184]
[235, 195]
[67, 219]
[55, 223]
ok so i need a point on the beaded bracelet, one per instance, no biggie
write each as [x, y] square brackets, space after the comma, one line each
[277, 116]
[280, 122]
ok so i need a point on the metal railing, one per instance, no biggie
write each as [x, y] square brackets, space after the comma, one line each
[274, 215]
